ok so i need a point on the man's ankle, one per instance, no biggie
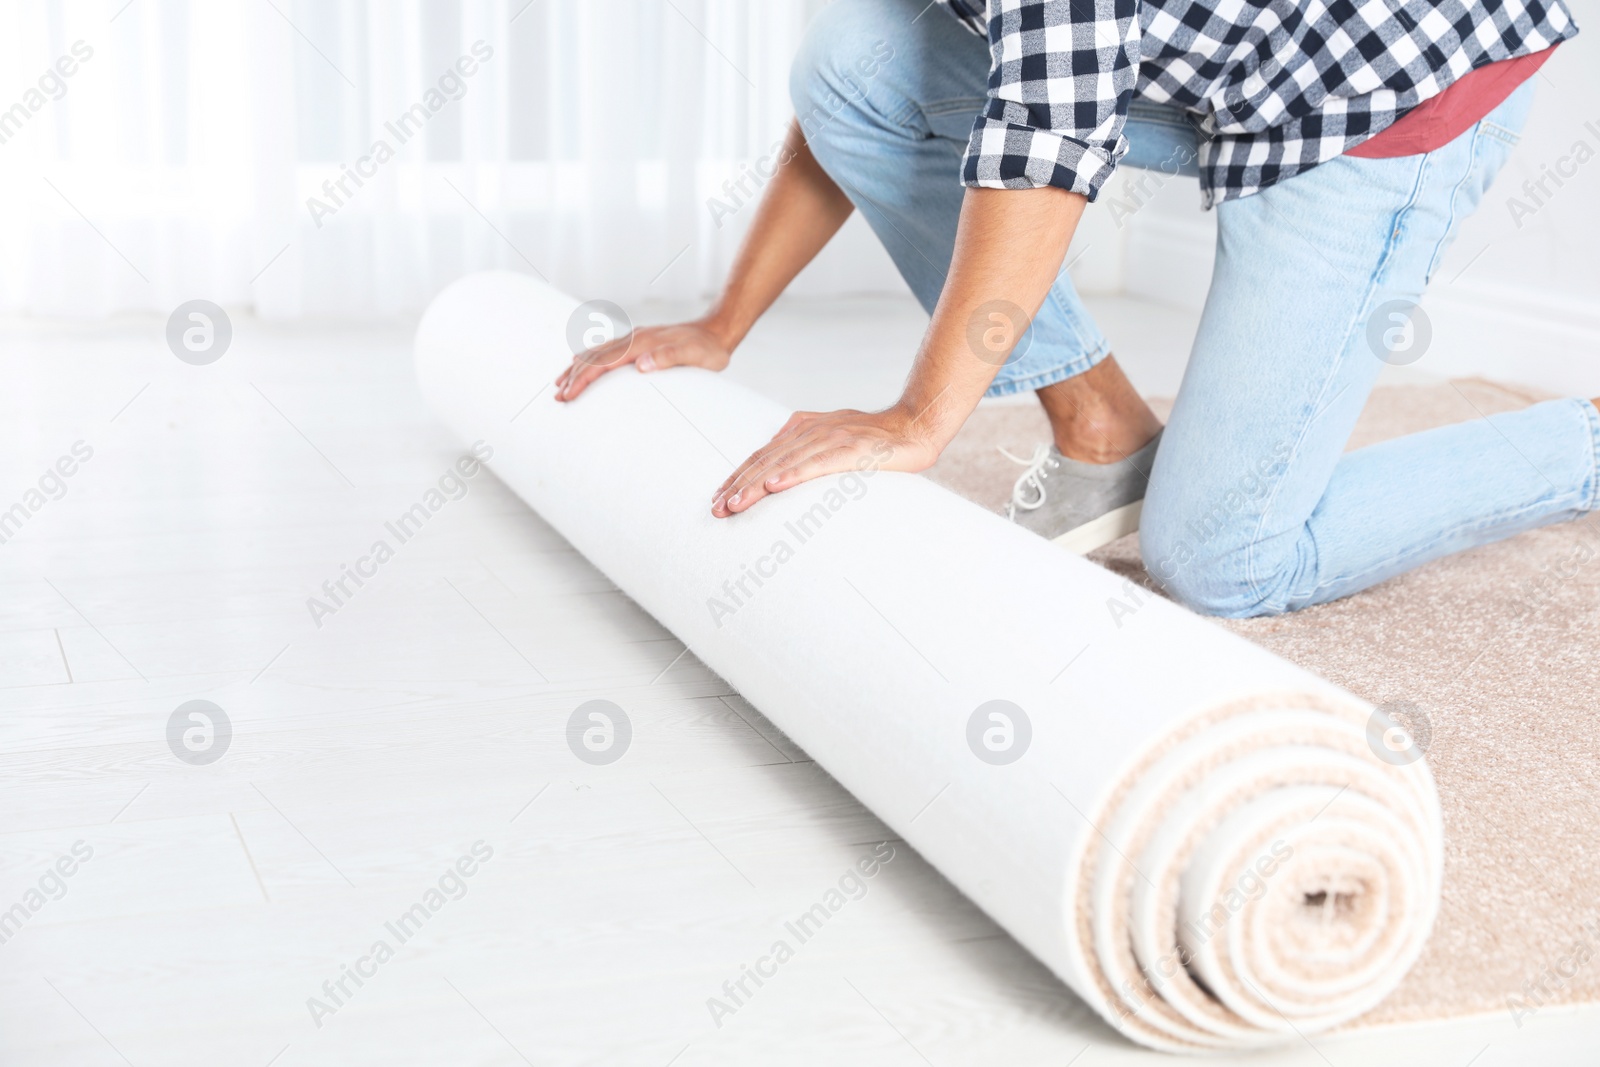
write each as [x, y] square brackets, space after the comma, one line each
[1102, 444]
[1097, 416]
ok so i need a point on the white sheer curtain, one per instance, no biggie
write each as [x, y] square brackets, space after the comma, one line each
[174, 154]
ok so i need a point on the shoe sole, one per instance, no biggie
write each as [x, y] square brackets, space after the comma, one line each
[1119, 522]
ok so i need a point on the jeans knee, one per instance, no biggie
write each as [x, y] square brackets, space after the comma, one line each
[1172, 562]
[846, 47]
[1214, 564]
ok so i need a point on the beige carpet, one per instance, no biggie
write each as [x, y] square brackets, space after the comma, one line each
[1499, 648]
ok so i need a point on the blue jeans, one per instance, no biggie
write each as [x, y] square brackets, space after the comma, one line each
[1254, 507]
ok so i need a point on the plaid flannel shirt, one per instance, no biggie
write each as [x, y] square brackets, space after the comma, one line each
[1274, 86]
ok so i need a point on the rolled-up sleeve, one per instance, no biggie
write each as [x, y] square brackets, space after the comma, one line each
[1061, 76]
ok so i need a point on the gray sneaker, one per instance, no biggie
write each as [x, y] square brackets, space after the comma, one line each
[1080, 506]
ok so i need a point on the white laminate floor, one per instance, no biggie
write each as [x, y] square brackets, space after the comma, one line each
[421, 730]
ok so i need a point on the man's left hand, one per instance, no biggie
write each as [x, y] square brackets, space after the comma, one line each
[813, 443]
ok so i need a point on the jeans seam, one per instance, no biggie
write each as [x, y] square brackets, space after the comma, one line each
[1500, 133]
[971, 105]
[1168, 123]
[1587, 492]
[1040, 379]
[1071, 368]
[1592, 417]
[1423, 546]
[1054, 296]
[904, 117]
[1455, 198]
[1251, 581]
[1159, 114]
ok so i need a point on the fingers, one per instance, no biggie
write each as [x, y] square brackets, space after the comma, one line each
[791, 435]
[652, 348]
[790, 460]
[795, 433]
[749, 489]
[658, 358]
[813, 460]
[588, 365]
[646, 349]
[748, 472]
[835, 460]
[579, 377]
[746, 479]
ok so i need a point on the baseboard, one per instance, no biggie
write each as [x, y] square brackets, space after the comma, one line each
[1511, 335]
[1480, 329]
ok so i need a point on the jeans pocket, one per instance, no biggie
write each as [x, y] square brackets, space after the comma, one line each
[952, 118]
[1510, 138]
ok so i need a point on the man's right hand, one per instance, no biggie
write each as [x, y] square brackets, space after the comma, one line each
[800, 209]
[650, 348]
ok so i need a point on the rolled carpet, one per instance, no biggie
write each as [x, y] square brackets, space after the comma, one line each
[1494, 656]
[1211, 846]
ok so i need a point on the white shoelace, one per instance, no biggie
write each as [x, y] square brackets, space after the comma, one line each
[1028, 493]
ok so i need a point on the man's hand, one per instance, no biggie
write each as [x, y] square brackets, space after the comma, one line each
[800, 210]
[1009, 246]
[812, 444]
[688, 344]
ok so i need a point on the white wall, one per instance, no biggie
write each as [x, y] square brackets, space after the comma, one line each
[1514, 303]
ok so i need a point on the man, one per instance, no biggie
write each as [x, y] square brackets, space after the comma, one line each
[1340, 146]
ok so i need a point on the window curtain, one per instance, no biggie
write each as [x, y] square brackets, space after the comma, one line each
[342, 158]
